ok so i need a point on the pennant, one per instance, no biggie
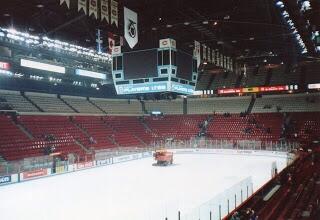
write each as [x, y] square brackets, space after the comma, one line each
[130, 27]
[114, 12]
[82, 4]
[66, 1]
[104, 10]
[93, 8]
[111, 41]
[196, 52]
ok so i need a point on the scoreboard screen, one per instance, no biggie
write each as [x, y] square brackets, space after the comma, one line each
[184, 65]
[140, 64]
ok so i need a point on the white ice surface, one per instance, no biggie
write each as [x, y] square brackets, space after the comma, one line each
[134, 190]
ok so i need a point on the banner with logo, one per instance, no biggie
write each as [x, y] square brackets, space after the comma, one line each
[82, 4]
[65, 1]
[114, 12]
[196, 52]
[130, 27]
[104, 10]
[93, 8]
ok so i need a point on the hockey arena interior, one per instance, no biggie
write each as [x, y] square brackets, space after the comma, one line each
[160, 110]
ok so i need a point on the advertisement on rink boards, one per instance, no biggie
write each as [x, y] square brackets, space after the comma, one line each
[104, 162]
[85, 165]
[34, 174]
[5, 179]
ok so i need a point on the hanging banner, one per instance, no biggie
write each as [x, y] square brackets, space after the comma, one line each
[66, 1]
[111, 42]
[82, 4]
[213, 57]
[93, 8]
[114, 12]
[196, 52]
[209, 55]
[218, 58]
[121, 41]
[104, 10]
[130, 27]
[204, 52]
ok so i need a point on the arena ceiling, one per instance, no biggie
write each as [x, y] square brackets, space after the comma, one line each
[249, 28]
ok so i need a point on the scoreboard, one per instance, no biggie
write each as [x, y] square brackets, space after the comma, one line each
[163, 69]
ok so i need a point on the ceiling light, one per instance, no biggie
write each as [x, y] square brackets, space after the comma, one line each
[234, 41]
[6, 15]
[215, 23]
[186, 23]
[251, 38]
[169, 25]
[205, 22]
[154, 28]
[40, 6]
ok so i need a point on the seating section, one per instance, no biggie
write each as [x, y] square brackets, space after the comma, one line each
[218, 105]
[224, 80]
[256, 76]
[128, 131]
[306, 125]
[260, 127]
[98, 131]
[49, 102]
[119, 106]
[12, 139]
[284, 75]
[178, 127]
[312, 72]
[17, 101]
[165, 106]
[64, 133]
[288, 103]
[81, 104]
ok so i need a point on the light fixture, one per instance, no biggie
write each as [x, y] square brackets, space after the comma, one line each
[186, 23]
[205, 22]
[215, 23]
[40, 6]
[169, 25]
[6, 15]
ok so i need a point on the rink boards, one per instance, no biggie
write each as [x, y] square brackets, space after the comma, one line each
[41, 173]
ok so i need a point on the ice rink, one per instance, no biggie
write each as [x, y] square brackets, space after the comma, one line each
[133, 190]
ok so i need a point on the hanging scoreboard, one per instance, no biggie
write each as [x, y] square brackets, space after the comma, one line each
[163, 69]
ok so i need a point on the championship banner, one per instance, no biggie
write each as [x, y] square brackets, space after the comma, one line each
[213, 56]
[66, 1]
[104, 8]
[204, 52]
[114, 12]
[130, 27]
[209, 54]
[197, 52]
[82, 4]
[218, 58]
[111, 42]
[93, 8]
